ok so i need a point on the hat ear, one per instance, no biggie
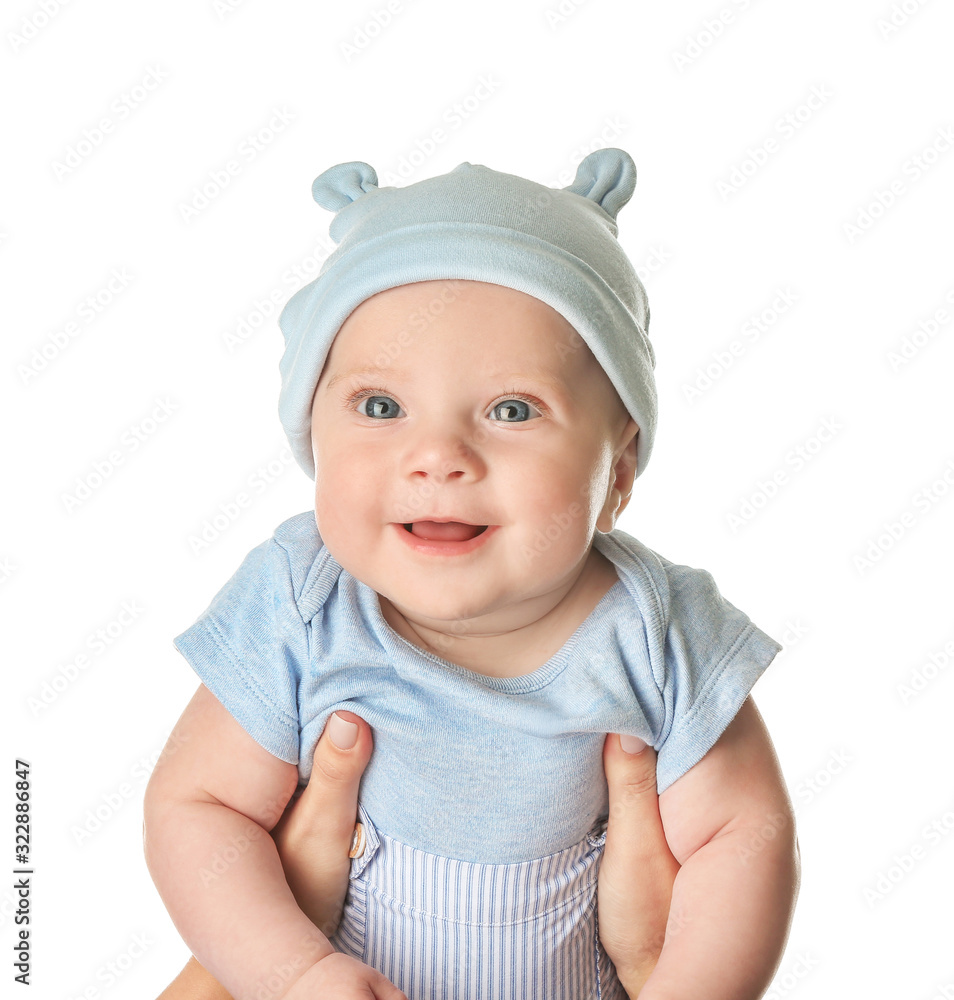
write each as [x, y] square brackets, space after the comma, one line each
[606, 176]
[342, 184]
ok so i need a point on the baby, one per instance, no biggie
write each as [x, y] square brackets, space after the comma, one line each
[470, 383]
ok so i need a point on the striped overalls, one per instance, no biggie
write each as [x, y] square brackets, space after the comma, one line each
[442, 929]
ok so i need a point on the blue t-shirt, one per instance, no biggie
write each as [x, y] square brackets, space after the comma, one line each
[482, 769]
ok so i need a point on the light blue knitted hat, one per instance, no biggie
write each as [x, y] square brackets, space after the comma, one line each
[557, 244]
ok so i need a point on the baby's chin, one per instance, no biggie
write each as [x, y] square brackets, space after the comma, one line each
[472, 612]
[439, 611]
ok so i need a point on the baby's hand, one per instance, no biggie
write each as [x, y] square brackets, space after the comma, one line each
[341, 977]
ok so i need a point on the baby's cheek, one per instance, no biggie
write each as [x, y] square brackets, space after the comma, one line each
[328, 511]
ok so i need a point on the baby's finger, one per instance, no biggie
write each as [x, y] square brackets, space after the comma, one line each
[384, 989]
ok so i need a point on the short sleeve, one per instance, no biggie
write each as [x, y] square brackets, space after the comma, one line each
[713, 655]
[250, 648]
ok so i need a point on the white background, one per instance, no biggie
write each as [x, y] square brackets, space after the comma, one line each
[861, 611]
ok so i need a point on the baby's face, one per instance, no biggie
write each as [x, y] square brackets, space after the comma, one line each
[466, 445]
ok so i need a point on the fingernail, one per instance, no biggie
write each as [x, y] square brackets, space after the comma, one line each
[342, 733]
[631, 744]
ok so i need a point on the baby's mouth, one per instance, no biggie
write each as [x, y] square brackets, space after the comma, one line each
[445, 531]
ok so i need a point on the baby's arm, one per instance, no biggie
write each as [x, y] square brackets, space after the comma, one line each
[730, 824]
[209, 804]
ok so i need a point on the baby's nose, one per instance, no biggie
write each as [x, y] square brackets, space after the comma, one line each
[444, 457]
[442, 470]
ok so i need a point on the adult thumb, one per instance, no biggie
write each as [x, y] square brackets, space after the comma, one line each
[318, 831]
[328, 804]
[630, 767]
[634, 834]
[343, 751]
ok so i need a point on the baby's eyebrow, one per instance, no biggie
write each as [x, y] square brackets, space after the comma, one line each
[555, 385]
[544, 378]
[368, 371]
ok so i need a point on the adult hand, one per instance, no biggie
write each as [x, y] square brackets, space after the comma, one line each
[315, 835]
[316, 831]
[637, 870]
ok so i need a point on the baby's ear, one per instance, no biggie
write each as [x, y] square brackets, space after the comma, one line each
[342, 184]
[606, 176]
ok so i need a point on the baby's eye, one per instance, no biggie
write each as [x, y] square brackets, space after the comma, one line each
[379, 407]
[512, 411]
